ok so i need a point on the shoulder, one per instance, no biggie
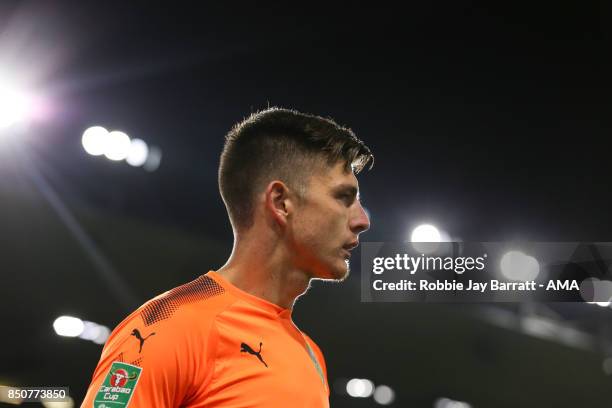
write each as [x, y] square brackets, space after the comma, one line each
[317, 351]
[180, 317]
[203, 297]
[170, 340]
[313, 344]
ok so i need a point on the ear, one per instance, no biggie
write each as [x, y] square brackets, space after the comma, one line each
[278, 203]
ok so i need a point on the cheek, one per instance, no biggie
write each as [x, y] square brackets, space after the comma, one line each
[316, 233]
[305, 229]
[334, 225]
[331, 233]
[320, 227]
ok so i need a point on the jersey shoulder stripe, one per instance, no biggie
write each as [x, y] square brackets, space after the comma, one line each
[164, 306]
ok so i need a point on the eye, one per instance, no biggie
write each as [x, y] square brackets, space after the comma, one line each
[347, 198]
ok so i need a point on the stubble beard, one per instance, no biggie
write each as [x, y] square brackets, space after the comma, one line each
[340, 275]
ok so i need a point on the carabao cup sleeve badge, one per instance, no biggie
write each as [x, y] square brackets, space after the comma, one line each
[118, 387]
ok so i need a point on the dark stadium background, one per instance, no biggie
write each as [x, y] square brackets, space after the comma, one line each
[492, 119]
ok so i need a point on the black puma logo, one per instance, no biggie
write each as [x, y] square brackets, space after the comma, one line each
[245, 348]
[136, 334]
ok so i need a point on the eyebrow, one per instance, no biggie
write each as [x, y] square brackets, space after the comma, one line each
[349, 188]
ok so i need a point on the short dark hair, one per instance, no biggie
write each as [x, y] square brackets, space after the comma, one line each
[281, 144]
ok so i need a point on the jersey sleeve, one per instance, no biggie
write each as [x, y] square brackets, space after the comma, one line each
[154, 363]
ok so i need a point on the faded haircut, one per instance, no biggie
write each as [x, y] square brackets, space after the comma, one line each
[286, 145]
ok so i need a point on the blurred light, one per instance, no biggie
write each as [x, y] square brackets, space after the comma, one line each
[425, 233]
[69, 403]
[102, 335]
[539, 326]
[449, 403]
[68, 326]
[359, 388]
[445, 237]
[602, 304]
[355, 387]
[545, 328]
[596, 291]
[4, 389]
[117, 146]
[94, 332]
[94, 140]
[14, 105]
[154, 159]
[384, 395]
[90, 331]
[425, 238]
[138, 153]
[517, 266]
[368, 388]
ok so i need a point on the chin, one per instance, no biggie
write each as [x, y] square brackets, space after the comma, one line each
[337, 272]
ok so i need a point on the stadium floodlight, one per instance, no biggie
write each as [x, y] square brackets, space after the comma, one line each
[118, 146]
[425, 233]
[359, 388]
[15, 104]
[425, 238]
[68, 326]
[139, 151]
[94, 140]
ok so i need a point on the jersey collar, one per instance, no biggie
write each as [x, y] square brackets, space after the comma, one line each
[257, 301]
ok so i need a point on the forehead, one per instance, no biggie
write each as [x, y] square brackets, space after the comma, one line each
[334, 176]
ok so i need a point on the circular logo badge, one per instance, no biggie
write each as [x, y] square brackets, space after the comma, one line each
[119, 378]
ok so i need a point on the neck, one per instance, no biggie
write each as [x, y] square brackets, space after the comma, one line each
[262, 268]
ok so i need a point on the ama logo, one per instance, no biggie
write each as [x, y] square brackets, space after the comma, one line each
[120, 377]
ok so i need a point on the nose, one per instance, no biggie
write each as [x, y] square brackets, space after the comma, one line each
[360, 221]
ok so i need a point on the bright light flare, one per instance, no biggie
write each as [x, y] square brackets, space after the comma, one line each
[425, 233]
[68, 326]
[94, 140]
[117, 146]
[359, 388]
[15, 105]
[425, 238]
[139, 151]
[94, 332]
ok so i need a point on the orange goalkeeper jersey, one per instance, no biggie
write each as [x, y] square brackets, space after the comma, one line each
[209, 344]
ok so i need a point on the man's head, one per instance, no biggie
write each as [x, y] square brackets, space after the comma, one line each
[306, 158]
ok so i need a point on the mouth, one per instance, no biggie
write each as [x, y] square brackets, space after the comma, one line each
[346, 249]
[351, 245]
